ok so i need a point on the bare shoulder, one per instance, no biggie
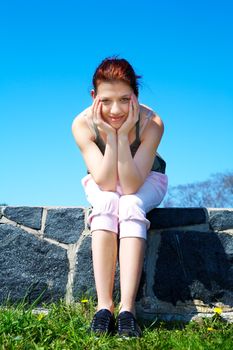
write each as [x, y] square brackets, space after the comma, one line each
[153, 130]
[150, 121]
[80, 119]
[81, 128]
[156, 120]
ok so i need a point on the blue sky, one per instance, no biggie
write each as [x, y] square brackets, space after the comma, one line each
[49, 51]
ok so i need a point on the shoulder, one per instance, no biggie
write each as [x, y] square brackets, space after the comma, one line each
[150, 122]
[80, 120]
[81, 128]
[157, 122]
[154, 129]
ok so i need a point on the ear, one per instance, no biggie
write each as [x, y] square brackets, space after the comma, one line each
[93, 95]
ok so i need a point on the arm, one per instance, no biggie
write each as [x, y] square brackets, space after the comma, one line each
[102, 168]
[129, 175]
[133, 171]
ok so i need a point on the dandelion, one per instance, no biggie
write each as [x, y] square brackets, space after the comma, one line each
[218, 310]
[210, 329]
[40, 316]
[84, 301]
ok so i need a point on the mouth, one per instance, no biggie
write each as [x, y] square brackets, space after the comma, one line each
[116, 119]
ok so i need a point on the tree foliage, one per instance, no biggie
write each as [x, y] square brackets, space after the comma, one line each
[216, 192]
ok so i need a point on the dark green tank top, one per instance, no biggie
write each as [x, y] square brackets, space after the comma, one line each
[159, 164]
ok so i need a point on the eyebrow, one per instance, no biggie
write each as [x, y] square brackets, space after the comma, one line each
[127, 95]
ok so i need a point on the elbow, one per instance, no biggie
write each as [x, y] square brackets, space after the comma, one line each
[132, 186]
[130, 190]
[125, 193]
[107, 189]
[106, 186]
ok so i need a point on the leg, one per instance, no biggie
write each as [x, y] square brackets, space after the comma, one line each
[104, 228]
[133, 230]
[131, 262]
[104, 252]
[133, 233]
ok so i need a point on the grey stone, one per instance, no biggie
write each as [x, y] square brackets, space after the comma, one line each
[31, 268]
[27, 216]
[84, 284]
[188, 269]
[64, 225]
[192, 265]
[174, 217]
[221, 219]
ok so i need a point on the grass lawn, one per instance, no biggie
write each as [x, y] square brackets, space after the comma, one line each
[66, 327]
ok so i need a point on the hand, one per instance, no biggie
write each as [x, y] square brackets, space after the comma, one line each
[132, 116]
[98, 120]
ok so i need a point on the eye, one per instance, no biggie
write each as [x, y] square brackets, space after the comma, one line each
[125, 99]
[105, 101]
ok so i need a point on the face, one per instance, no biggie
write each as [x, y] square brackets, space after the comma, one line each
[115, 99]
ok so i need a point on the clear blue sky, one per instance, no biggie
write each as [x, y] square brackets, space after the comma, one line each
[49, 51]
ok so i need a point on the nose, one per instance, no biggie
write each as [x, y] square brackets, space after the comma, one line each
[115, 108]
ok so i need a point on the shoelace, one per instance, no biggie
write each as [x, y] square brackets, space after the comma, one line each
[127, 323]
[101, 322]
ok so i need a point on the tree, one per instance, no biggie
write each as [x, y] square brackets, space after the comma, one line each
[216, 192]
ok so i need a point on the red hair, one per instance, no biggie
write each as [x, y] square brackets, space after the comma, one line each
[114, 69]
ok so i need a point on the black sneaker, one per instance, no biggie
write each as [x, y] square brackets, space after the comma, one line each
[127, 325]
[103, 322]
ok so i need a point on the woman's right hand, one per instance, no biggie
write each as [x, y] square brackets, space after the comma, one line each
[96, 110]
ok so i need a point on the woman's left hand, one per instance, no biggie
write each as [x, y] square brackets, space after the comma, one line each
[133, 116]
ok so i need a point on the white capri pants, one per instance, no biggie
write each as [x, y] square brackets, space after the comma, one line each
[124, 214]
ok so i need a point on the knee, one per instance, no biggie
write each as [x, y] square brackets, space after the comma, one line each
[110, 197]
[132, 217]
[130, 201]
[107, 202]
[131, 207]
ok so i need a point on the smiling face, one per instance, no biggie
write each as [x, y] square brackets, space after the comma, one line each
[115, 98]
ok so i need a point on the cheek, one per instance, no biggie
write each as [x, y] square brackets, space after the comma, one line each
[126, 109]
[105, 110]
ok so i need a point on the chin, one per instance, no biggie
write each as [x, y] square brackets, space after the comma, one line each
[114, 126]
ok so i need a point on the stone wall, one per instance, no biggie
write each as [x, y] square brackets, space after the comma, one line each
[45, 255]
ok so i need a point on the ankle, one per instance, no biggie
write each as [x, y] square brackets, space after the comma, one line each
[125, 307]
[108, 306]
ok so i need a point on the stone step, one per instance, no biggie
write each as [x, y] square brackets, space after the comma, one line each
[45, 255]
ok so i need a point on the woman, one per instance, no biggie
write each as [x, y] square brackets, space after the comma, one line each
[118, 139]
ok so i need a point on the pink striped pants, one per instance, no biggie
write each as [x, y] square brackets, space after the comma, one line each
[124, 214]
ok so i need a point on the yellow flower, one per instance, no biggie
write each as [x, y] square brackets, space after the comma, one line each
[218, 310]
[210, 329]
[84, 301]
[40, 316]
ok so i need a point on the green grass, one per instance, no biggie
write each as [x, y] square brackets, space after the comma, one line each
[66, 327]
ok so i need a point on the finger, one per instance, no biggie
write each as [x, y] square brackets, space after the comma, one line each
[135, 101]
[135, 108]
[135, 104]
[134, 97]
[94, 102]
[97, 102]
[130, 109]
[99, 107]
[95, 107]
[132, 100]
